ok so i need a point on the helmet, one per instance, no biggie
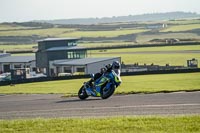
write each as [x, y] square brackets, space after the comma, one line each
[115, 65]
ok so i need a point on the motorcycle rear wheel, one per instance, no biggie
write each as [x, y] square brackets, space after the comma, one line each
[82, 93]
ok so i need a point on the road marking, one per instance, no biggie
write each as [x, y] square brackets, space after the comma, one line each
[99, 108]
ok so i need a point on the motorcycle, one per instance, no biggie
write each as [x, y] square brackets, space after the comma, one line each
[103, 87]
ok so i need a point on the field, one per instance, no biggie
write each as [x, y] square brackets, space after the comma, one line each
[106, 34]
[130, 55]
[31, 32]
[17, 47]
[130, 84]
[179, 28]
[11, 27]
[114, 33]
[156, 59]
[180, 35]
[161, 124]
[67, 32]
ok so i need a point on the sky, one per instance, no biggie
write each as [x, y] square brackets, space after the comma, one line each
[28, 10]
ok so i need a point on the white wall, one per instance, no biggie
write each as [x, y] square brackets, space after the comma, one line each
[89, 68]
[95, 67]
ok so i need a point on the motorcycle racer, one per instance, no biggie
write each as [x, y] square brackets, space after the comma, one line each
[102, 84]
[96, 76]
[114, 66]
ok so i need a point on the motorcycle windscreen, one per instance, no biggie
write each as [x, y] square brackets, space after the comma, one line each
[117, 71]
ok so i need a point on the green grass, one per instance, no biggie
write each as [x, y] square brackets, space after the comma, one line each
[146, 38]
[113, 33]
[130, 84]
[12, 27]
[160, 59]
[67, 87]
[184, 21]
[14, 47]
[160, 83]
[179, 28]
[24, 54]
[131, 124]
[39, 32]
[67, 32]
[179, 59]
[172, 59]
[105, 44]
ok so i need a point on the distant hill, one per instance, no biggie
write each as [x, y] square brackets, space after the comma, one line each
[130, 18]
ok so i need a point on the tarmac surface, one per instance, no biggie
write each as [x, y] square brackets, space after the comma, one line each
[54, 106]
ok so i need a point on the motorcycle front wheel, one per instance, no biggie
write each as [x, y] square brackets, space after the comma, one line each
[82, 93]
[107, 92]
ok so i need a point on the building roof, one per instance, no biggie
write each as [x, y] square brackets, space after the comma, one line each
[16, 59]
[65, 48]
[83, 61]
[59, 39]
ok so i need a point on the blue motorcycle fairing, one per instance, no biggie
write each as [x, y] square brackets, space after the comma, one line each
[110, 78]
[90, 92]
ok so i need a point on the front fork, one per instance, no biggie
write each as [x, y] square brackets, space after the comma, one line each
[91, 91]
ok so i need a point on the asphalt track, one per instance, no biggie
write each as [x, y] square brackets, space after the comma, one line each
[54, 106]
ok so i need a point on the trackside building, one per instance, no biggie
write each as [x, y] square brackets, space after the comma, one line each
[8, 63]
[62, 55]
[81, 66]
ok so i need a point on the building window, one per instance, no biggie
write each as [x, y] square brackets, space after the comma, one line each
[17, 66]
[72, 43]
[70, 55]
[82, 54]
[80, 69]
[67, 70]
[34, 69]
[6, 68]
[76, 55]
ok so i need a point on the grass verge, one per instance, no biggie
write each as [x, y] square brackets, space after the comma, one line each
[130, 84]
[141, 124]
